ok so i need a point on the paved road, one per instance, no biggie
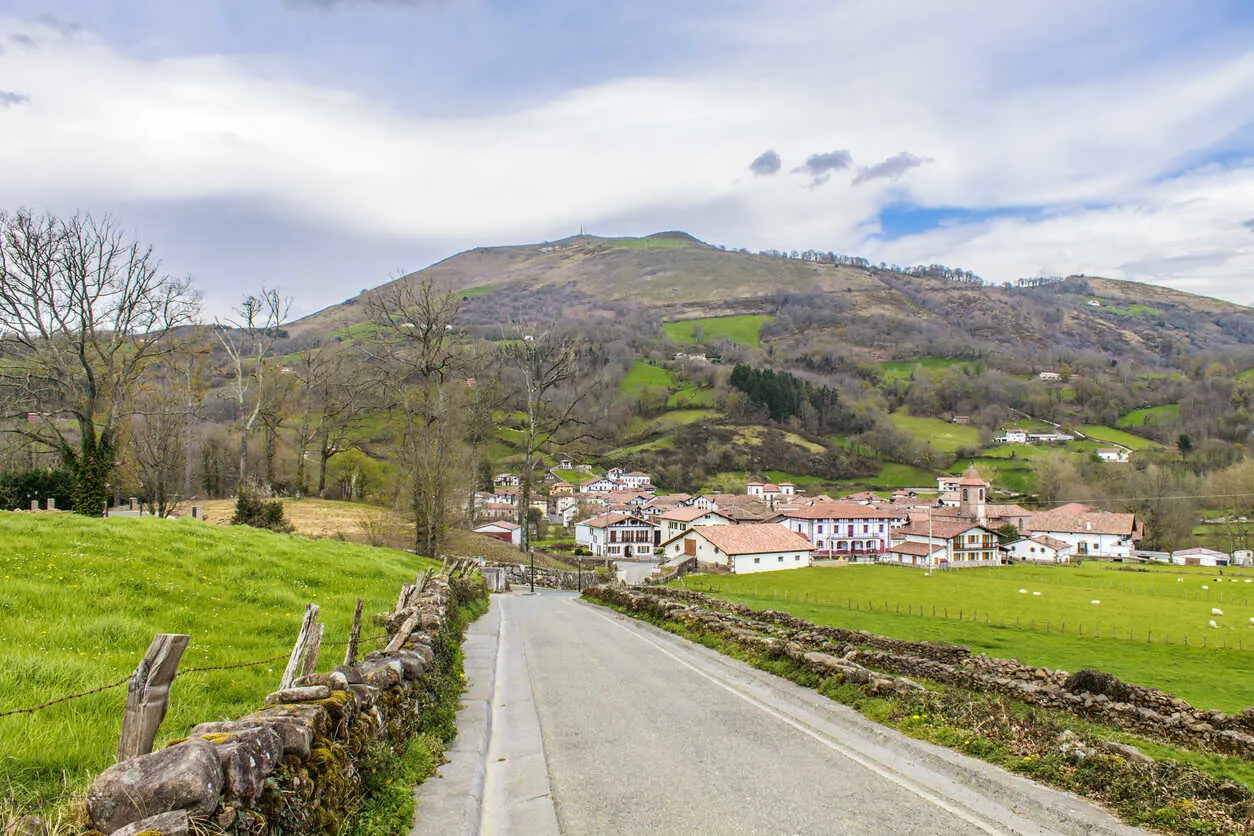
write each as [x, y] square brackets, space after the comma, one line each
[578, 720]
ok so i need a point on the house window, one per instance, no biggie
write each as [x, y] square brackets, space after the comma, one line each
[781, 558]
[757, 560]
[820, 528]
[797, 558]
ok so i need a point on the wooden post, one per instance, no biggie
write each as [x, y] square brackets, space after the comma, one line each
[148, 694]
[350, 652]
[294, 663]
[403, 599]
[311, 653]
[398, 641]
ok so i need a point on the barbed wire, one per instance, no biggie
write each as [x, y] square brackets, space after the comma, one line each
[182, 672]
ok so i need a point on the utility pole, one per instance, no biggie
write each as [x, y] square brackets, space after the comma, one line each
[533, 571]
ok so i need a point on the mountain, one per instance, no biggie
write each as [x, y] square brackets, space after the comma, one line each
[865, 311]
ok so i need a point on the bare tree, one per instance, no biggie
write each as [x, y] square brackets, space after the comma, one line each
[547, 367]
[158, 439]
[334, 396]
[415, 348]
[248, 338]
[84, 311]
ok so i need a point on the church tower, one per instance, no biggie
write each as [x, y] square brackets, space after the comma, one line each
[972, 496]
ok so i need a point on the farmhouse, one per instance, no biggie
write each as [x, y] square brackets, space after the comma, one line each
[768, 492]
[954, 544]
[506, 480]
[602, 484]
[1113, 455]
[1040, 549]
[561, 488]
[841, 529]
[741, 549]
[622, 536]
[637, 480]
[910, 553]
[1090, 532]
[678, 520]
[510, 532]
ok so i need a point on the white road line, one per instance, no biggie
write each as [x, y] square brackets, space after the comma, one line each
[878, 768]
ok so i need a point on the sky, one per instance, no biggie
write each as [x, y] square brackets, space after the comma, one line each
[326, 146]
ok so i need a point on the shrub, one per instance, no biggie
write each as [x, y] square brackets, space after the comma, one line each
[1097, 682]
[251, 509]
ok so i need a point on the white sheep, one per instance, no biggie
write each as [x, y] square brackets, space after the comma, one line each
[1213, 624]
[1179, 580]
[1252, 619]
[1204, 586]
[1247, 580]
[1023, 592]
[1036, 593]
[1216, 611]
[1095, 601]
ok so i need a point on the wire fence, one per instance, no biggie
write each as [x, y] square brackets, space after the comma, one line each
[182, 673]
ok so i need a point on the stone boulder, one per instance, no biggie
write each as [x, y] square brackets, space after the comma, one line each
[247, 756]
[174, 823]
[186, 777]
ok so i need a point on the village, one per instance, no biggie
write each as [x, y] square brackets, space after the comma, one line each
[619, 517]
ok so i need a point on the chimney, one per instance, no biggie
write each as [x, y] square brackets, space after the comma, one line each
[1088, 525]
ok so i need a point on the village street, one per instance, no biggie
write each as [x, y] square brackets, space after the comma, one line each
[580, 720]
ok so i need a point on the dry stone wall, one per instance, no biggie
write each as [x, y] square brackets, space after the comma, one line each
[294, 765]
[893, 664]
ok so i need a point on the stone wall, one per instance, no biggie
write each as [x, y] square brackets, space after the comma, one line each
[519, 575]
[888, 664]
[294, 766]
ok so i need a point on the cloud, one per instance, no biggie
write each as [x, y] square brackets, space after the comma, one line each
[396, 4]
[22, 39]
[766, 163]
[889, 169]
[9, 99]
[819, 167]
[1249, 224]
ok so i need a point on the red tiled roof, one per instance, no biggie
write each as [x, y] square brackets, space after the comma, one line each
[916, 549]
[763, 538]
[606, 520]
[1081, 519]
[687, 514]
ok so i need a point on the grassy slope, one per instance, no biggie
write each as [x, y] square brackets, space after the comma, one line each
[81, 600]
[745, 329]
[1113, 436]
[1211, 678]
[644, 376]
[1150, 415]
[940, 434]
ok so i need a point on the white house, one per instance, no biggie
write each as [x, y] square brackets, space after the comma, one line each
[637, 480]
[507, 480]
[621, 536]
[1243, 557]
[1012, 437]
[1050, 376]
[510, 532]
[944, 543]
[1090, 532]
[1113, 455]
[602, 484]
[1199, 557]
[615, 473]
[841, 529]
[1040, 549]
[741, 549]
[768, 492]
[678, 520]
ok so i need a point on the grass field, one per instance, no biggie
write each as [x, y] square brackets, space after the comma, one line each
[903, 369]
[745, 329]
[82, 598]
[1113, 436]
[940, 434]
[1153, 415]
[980, 608]
[891, 477]
[644, 376]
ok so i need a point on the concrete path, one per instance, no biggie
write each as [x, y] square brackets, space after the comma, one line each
[579, 720]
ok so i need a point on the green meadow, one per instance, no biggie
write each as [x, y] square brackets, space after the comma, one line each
[82, 598]
[906, 369]
[1114, 436]
[1138, 631]
[745, 329]
[940, 434]
[1153, 416]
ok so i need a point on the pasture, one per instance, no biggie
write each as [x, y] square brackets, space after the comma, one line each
[1110, 435]
[82, 599]
[1150, 416]
[907, 369]
[1149, 628]
[745, 329]
[942, 435]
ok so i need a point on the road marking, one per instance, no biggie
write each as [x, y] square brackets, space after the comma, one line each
[878, 768]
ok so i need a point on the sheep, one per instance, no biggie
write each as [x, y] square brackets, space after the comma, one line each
[1036, 593]
[1095, 601]
[1023, 592]
[1252, 619]
[1216, 611]
[1213, 624]
[1204, 586]
[1179, 580]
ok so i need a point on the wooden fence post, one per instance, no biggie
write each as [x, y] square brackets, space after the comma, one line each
[148, 694]
[350, 652]
[312, 651]
[295, 662]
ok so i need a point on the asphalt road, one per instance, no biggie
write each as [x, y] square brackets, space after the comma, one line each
[579, 720]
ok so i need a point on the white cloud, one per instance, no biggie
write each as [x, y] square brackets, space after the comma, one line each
[952, 85]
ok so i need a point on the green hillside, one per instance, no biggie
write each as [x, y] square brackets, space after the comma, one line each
[238, 592]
